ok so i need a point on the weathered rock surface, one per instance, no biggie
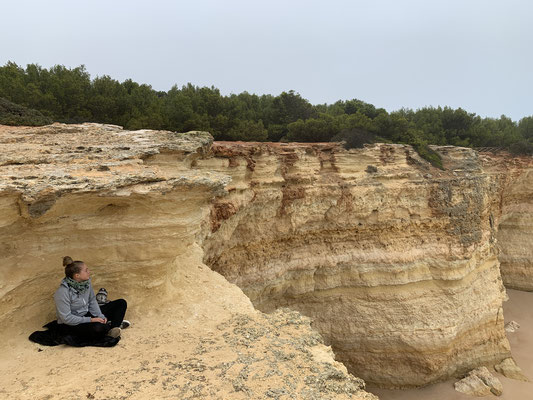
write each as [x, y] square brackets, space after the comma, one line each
[397, 267]
[479, 382]
[515, 232]
[512, 326]
[473, 386]
[509, 369]
[394, 261]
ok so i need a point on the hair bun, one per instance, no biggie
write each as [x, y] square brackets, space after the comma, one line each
[67, 260]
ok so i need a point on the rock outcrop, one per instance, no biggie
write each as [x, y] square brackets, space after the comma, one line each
[89, 191]
[509, 369]
[515, 233]
[479, 382]
[394, 261]
[512, 326]
[207, 342]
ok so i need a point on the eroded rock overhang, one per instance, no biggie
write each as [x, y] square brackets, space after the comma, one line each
[90, 191]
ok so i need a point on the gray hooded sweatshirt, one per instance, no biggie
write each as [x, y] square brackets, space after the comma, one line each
[72, 306]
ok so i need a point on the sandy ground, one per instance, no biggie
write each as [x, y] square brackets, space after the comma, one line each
[247, 356]
[519, 308]
[208, 343]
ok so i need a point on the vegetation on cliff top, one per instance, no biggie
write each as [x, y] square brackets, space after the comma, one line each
[15, 114]
[70, 95]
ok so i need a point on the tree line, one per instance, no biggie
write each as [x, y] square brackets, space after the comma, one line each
[70, 95]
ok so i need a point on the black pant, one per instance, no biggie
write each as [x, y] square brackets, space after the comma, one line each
[114, 311]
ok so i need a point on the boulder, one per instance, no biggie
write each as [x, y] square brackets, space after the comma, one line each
[479, 382]
[512, 326]
[473, 386]
[509, 369]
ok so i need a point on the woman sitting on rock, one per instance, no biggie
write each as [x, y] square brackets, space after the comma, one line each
[78, 312]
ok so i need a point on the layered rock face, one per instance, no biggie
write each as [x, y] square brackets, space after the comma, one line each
[394, 261]
[515, 232]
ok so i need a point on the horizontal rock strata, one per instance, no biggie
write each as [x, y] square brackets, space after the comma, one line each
[394, 261]
[515, 232]
[479, 382]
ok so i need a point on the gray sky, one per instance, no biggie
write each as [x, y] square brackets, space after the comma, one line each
[474, 54]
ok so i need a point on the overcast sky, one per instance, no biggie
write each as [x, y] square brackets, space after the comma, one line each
[474, 54]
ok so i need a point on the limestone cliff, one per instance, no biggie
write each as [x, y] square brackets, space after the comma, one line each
[132, 206]
[395, 262]
[515, 232]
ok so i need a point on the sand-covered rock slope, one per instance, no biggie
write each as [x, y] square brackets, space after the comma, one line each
[395, 262]
[204, 342]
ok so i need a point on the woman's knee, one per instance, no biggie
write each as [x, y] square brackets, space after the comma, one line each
[122, 303]
[100, 329]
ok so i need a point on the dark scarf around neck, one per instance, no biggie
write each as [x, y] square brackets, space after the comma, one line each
[78, 286]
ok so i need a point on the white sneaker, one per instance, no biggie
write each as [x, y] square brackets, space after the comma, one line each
[125, 324]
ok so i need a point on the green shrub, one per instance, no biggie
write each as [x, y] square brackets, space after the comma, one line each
[354, 138]
[521, 147]
[428, 154]
[14, 114]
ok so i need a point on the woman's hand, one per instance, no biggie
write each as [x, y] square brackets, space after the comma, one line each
[101, 320]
